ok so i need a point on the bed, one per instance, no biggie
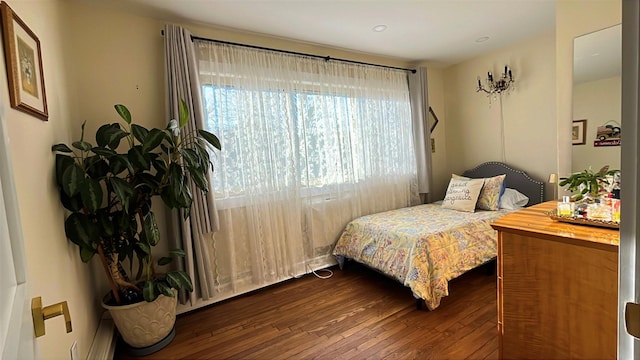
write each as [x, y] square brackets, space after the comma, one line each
[425, 246]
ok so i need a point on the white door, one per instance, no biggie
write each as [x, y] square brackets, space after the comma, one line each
[16, 326]
[629, 274]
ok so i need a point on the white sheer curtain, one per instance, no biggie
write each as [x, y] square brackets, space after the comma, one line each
[307, 145]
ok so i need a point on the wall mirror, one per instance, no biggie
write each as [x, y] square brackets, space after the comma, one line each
[597, 66]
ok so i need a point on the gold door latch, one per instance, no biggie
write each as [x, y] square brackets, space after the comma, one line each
[41, 314]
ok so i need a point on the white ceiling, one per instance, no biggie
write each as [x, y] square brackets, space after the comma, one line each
[598, 55]
[439, 31]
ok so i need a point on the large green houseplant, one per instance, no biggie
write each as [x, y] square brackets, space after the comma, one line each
[108, 190]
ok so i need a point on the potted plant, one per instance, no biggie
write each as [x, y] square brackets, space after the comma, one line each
[108, 191]
[588, 184]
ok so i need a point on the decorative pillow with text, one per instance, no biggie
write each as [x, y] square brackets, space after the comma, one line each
[462, 194]
[491, 192]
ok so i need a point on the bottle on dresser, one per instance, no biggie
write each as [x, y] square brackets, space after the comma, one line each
[565, 208]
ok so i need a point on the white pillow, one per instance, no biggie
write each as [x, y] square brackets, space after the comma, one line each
[512, 199]
[462, 194]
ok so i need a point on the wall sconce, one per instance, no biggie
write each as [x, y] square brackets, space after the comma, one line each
[496, 86]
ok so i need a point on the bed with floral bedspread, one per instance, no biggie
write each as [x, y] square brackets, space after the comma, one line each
[422, 246]
[425, 246]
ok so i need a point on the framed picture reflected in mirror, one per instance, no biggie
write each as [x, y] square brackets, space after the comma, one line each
[579, 132]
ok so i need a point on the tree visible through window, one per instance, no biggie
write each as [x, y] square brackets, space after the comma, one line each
[326, 138]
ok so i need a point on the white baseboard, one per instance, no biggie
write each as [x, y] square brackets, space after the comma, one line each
[104, 342]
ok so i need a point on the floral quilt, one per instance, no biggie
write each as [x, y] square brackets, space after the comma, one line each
[422, 246]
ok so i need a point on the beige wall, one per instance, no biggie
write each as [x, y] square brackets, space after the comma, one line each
[599, 102]
[575, 18]
[473, 132]
[93, 59]
[55, 271]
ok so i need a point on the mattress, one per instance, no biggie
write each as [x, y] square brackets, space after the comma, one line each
[422, 246]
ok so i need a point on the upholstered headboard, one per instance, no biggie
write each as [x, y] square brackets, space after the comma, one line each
[515, 179]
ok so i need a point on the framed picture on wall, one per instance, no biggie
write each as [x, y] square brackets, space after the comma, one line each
[579, 132]
[24, 65]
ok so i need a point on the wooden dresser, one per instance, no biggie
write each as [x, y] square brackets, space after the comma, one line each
[557, 287]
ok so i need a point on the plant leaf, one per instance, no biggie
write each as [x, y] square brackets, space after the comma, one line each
[147, 180]
[72, 179]
[63, 162]
[184, 113]
[190, 157]
[164, 261]
[123, 112]
[61, 148]
[96, 167]
[176, 180]
[82, 145]
[144, 247]
[101, 138]
[103, 151]
[137, 158]
[211, 139]
[148, 291]
[139, 132]
[86, 253]
[179, 280]
[199, 178]
[151, 231]
[113, 136]
[103, 135]
[71, 203]
[178, 252]
[80, 230]
[185, 199]
[153, 139]
[124, 191]
[203, 154]
[164, 289]
[186, 212]
[91, 194]
[603, 171]
[119, 163]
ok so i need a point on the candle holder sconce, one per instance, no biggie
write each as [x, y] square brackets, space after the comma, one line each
[494, 86]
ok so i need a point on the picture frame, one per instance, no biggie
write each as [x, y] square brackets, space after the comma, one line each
[579, 132]
[23, 59]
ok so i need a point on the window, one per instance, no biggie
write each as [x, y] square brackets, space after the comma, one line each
[325, 136]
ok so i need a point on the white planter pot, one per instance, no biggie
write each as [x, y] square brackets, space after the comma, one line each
[145, 324]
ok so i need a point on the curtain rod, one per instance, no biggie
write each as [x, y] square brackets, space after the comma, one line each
[327, 58]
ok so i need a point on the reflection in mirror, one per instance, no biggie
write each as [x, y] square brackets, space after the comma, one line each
[597, 66]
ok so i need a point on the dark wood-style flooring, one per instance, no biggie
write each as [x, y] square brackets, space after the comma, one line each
[356, 314]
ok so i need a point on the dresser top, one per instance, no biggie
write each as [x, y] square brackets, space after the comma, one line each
[535, 221]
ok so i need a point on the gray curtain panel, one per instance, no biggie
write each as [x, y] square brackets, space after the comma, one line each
[195, 235]
[421, 133]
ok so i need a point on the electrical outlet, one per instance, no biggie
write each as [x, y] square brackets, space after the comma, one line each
[74, 351]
